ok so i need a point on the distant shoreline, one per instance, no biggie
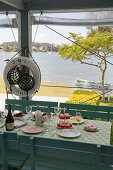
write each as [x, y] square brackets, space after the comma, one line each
[32, 52]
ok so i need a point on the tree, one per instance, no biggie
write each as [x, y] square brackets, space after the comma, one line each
[6, 48]
[98, 45]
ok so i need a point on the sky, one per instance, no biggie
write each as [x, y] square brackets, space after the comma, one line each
[44, 35]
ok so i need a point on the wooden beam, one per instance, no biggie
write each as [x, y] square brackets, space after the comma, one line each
[14, 3]
[68, 4]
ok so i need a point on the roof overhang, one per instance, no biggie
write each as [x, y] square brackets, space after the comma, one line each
[56, 6]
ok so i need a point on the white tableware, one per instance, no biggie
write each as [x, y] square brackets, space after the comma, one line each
[18, 123]
[32, 129]
[78, 114]
[68, 133]
[57, 110]
[29, 111]
[39, 121]
[73, 120]
[91, 128]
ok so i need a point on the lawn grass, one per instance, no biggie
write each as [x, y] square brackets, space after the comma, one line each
[55, 91]
[47, 91]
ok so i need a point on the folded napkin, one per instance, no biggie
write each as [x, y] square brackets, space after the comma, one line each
[18, 123]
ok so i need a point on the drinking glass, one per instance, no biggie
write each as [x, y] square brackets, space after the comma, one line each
[64, 110]
[49, 119]
[78, 115]
[29, 111]
[4, 114]
[57, 111]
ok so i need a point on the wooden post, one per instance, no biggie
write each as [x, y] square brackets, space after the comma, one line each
[32, 153]
[25, 35]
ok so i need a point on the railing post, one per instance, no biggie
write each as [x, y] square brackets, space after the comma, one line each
[32, 153]
[108, 116]
[4, 152]
[98, 157]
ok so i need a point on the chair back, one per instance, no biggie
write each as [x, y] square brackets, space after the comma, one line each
[60, 154]
[104, 112]
[21, 105]
[8, 141]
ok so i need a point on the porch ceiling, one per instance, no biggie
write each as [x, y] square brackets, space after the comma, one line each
[56, 5]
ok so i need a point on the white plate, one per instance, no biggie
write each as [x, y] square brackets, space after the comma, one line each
[67, 133]
[89, 130]
[18, 123]
[32, 129]
[74, 121]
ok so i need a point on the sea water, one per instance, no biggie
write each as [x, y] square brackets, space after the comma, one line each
[55, 69]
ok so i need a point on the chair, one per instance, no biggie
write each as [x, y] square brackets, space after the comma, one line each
[3, 154]
[54, 154]
[90, 111]
[11, 157]
[21, 105]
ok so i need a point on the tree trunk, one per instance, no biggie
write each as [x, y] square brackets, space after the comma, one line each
[103, 90]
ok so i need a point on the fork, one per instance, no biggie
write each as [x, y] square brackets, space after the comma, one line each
[54, 132]
[83, 137]
[18, 130]
[43, 133]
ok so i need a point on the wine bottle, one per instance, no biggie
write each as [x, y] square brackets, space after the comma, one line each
[9, 120]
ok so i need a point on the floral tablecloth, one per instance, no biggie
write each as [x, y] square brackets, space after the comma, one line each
[102, 136]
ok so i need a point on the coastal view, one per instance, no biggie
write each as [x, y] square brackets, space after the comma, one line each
[65, 64]
[56, 85]
[36, 47]
[55, 69]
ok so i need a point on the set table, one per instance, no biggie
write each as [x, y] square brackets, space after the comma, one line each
[102, 136]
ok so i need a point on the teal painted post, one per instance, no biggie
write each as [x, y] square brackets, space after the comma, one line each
[25, 36]
[98, 157]
[4, 153]
[108, 116]
[32, 153]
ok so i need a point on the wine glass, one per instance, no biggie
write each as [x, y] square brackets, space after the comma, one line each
[4, 114]
[78, 115]
[64, 110]
[57, 111]
[29, 111]
[49, 118]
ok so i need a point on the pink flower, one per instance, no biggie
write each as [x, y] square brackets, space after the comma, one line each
[38, 113]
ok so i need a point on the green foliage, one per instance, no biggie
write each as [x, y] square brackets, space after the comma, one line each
[84, 97]
[100, 43]
[85, 92]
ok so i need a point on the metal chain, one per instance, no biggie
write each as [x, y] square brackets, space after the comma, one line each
[37, 27]
[12, 29]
